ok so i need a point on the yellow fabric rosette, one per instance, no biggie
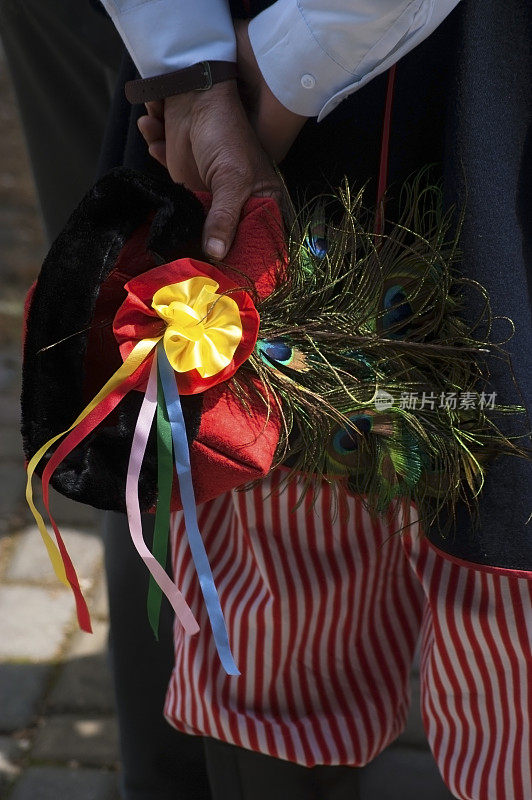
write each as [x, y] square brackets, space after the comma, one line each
[203, 328]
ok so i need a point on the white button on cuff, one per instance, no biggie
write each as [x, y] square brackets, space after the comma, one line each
[308, 81]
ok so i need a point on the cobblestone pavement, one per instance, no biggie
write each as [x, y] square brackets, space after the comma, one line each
[57, 727]
[58, 735]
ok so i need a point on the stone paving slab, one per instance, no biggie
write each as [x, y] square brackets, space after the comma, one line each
[88, 740]
[10, 444]
[22, 687]
[10, 380]
[402, 773]
[10, 753]
[84, 683]
[99, 605]
[68, 512]
[33, 622]
[30, 562]
[55, 783]
[12, 483]
[9, 411]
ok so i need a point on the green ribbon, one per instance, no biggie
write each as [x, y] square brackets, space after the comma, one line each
[165, 473]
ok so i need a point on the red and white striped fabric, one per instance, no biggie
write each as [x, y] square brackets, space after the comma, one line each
[324, 612]
[476, 673]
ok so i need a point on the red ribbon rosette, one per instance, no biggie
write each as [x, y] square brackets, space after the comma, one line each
[137, 319]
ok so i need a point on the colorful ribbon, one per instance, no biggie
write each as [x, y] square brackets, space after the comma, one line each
[219, 338]
[123, 378]
[197, 548]
[165, 474]
[138, 448]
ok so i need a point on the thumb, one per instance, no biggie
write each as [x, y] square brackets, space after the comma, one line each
[223, 218]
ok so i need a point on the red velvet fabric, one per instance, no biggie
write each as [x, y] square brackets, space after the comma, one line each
[258, 253]
[234, 446]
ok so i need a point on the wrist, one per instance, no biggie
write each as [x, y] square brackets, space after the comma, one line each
[194, 102]
[198, 77]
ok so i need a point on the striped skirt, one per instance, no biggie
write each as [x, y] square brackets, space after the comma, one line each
[324, 607]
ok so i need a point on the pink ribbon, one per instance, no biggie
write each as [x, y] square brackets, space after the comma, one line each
[138, 448]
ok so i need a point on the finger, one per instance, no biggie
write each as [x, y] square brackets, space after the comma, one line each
[220, 226]
[157, 150]
[155, 108]
[152, 129]
[229, 193]
[182, 167]
[231, 187]
[269, 186]
[224, 215]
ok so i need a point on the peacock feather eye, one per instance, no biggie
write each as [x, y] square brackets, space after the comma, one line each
[345, 440]
[275, 350]
[278, 352]
[314, 246]
[343, 454]
[398, 310]
[408, 301]
[362, 422]
[316, 239]
[317, 246]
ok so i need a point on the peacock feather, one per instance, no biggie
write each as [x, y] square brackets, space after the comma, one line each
[279, 353]
[359, 316]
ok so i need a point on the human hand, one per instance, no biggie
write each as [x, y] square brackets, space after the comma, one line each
[205, 141]
[276, 127]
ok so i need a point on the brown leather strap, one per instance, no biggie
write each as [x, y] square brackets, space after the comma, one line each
[198, 77]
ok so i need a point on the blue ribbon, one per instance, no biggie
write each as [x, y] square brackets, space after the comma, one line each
[188, 501]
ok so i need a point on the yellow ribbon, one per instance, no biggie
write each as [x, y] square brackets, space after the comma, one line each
[132, 363]
[203, 328]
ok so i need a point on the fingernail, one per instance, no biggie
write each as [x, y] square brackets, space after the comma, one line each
[215, 248]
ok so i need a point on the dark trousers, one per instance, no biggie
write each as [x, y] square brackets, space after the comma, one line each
[158, 762]
[63, 58]
[238, 774]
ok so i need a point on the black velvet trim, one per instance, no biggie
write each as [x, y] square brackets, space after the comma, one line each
[60, 314]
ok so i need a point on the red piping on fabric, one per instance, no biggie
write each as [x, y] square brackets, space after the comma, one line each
[385, 153]
[460, 562]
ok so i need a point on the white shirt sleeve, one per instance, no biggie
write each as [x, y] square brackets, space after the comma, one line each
[164, 35]
[314, 53]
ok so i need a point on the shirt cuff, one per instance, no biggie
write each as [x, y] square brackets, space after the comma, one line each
[312, 61]
[163, 36]
[297, 70]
